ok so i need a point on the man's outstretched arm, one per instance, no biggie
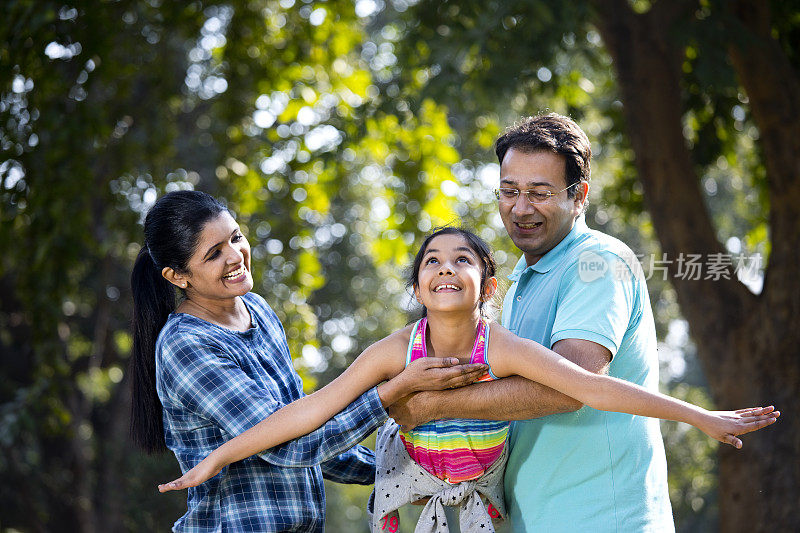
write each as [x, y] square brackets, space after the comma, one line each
[512, 398]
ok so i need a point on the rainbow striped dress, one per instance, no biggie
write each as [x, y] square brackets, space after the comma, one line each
[455, 450]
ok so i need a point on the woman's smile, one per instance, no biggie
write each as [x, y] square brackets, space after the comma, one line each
[237, 276]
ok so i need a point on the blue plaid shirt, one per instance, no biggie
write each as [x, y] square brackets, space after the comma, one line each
[214, 383]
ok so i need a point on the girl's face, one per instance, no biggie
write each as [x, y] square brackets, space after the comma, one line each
[220, 265]
[449, 277]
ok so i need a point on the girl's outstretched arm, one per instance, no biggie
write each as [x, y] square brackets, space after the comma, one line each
[382, 361]
[511, 355]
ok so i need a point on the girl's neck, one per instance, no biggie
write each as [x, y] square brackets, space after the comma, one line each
[230, 313]
[452, 334]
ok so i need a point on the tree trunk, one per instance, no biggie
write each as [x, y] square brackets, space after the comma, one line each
[747, 344]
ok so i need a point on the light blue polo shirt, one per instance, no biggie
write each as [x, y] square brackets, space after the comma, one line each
[588, 470]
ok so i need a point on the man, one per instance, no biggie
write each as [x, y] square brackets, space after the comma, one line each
[580, 292]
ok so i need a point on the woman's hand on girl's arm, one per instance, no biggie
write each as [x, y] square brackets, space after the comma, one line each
[726, 425]
[429, 373]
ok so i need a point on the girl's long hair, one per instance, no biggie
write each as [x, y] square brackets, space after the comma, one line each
[172, 229]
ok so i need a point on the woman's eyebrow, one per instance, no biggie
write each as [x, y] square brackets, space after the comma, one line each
[219, 243]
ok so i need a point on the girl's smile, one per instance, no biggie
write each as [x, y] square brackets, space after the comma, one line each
[446, 287]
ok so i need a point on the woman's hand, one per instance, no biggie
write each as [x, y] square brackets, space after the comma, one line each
[436, 373]
[726, 425]
[202, 472]
[430, 373]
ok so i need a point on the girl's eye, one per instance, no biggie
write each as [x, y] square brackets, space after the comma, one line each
[464, 259]
[213, 255]
[238, 237]
[431, 261]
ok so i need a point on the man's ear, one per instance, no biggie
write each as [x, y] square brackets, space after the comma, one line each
[581, 194]
[179, 280]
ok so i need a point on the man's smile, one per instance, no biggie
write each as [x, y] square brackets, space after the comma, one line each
[528, 225]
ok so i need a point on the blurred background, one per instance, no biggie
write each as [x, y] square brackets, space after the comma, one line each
[339, 133]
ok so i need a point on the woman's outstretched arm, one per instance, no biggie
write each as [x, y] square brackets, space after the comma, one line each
[382, 361]
[511, 355]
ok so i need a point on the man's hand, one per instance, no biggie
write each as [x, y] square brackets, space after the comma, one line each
[511, 398]
[414, 410]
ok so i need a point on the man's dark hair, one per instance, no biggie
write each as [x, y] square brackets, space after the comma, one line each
[552, 133]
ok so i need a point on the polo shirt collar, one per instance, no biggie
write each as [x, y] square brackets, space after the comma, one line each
[548, 260]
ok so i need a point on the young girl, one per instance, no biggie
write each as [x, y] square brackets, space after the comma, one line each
[457, 461]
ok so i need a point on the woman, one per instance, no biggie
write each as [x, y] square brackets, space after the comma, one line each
[215, 365]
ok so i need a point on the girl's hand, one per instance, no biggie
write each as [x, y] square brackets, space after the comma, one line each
[204, 471]
[725, 425]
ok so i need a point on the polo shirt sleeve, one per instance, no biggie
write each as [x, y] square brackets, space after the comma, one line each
[596, 304]
[204, 380]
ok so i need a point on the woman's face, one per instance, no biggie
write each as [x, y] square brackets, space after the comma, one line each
[449, 277]
[220, 265]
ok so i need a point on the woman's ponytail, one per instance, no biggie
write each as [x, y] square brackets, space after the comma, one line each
[172, 228]
[153, 301]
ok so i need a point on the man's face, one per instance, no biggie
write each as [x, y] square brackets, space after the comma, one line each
[537, 228]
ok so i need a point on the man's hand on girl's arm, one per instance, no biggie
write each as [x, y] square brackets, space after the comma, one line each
[512, 398]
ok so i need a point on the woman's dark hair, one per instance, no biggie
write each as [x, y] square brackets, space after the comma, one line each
[478, 245]
[171, 233]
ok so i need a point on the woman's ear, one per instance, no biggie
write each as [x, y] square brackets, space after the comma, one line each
[489, 289]
[416, 295]
[179, 280]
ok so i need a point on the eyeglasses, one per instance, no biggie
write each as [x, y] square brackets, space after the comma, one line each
[507, 195]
